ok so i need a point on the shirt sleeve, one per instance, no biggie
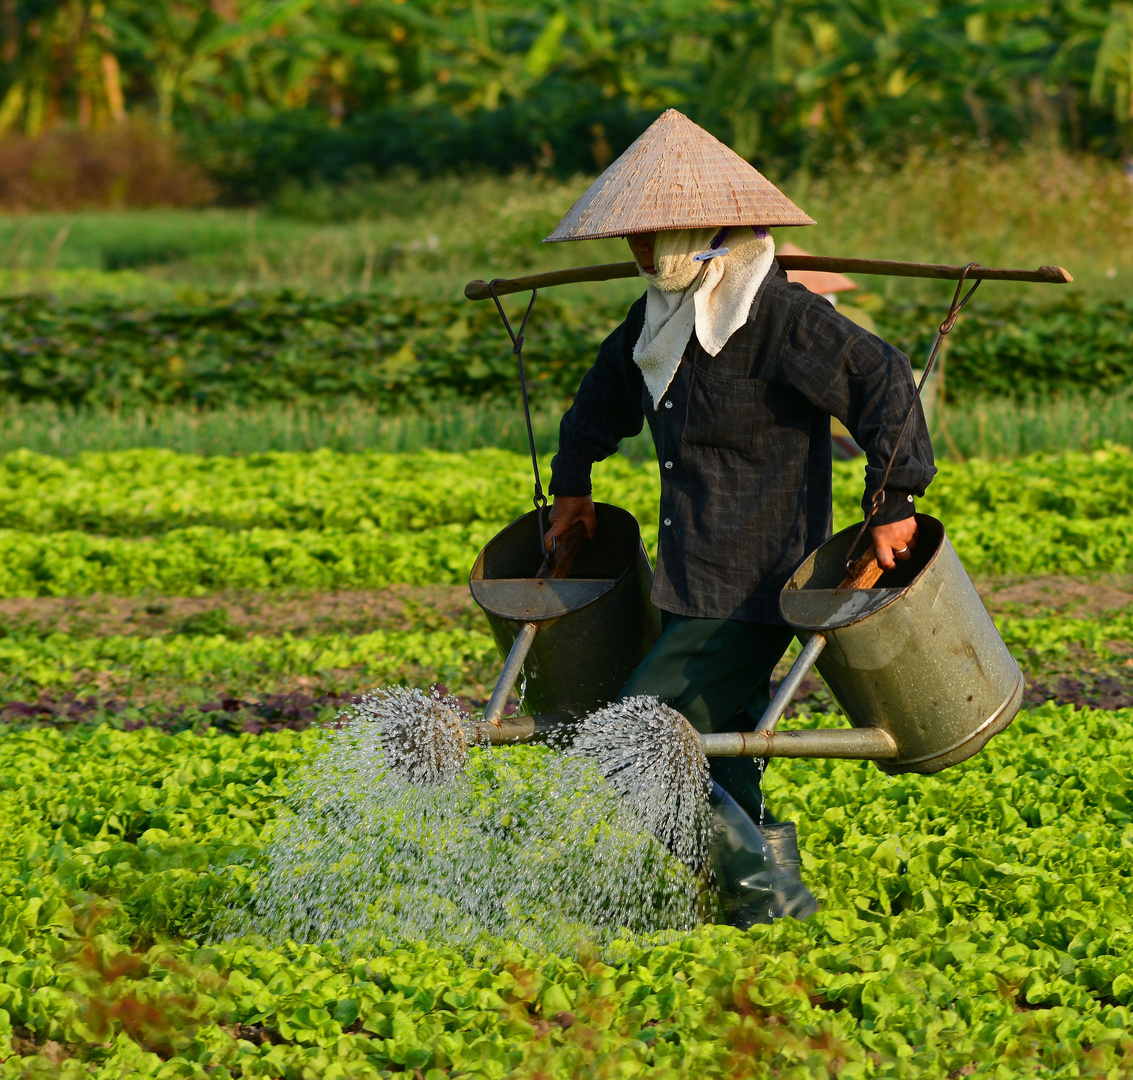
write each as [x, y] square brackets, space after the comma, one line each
[606, 409]
[868, 385]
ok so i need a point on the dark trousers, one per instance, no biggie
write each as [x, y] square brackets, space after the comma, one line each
[717, 672]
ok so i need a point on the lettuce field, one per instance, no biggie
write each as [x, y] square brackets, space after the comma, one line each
[173, 629]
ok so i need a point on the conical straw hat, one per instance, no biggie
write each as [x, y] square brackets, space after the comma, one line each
[818, 281]
[676, 176]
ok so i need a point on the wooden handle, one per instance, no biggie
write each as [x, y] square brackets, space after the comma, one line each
[864, 573]
[558, 563]
[1050, 275]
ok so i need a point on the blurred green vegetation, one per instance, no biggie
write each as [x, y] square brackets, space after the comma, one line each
[407, 353]
[286, 327]
[403, 236]
[966, 427]
[265, 91]
[372, 137]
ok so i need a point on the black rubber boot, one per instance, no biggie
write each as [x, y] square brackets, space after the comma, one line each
[797, 900]
[754, 887]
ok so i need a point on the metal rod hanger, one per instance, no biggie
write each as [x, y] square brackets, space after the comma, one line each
[1050, 275]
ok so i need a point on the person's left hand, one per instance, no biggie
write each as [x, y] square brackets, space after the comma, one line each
[894, 542]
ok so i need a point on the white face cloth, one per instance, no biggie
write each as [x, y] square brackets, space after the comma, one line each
[714, 296]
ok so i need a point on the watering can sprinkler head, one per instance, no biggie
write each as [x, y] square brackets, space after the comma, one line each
[651, 756]
[423, 737]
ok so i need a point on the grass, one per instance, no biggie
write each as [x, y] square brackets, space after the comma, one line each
[987, 428]
[50, 429]
[402, 236]
[1000, 428]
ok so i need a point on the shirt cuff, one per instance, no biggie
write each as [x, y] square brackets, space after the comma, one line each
[898, 505]
[570, 477]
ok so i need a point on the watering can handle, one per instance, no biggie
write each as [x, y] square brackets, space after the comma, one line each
[561, 558]
[790, 685]
[864, 573]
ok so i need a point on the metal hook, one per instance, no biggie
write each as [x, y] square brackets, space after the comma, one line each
[539, 499]
[945, 328]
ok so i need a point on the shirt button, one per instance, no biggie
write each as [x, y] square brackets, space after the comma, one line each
[668, 404]
[668, 464]
[668, 521]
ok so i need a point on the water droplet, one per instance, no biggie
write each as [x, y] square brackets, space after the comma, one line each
[397, 830]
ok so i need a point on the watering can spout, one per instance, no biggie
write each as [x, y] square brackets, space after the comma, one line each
[520, 728]
[848, 744]
[852, 744]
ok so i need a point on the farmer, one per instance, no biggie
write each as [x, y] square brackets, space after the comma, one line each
[737, 372]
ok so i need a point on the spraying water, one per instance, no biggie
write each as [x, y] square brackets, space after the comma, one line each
[654, 760]
[397, 830]
[422, 735]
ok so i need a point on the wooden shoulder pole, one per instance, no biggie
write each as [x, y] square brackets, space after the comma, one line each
[478, 290]
[1050, 275]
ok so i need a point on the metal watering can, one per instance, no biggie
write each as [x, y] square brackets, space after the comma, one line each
[575, 639]
[916, 662]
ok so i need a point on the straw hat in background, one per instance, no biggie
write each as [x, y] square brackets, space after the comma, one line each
[829, 285]
[826, 283]
[676, 176]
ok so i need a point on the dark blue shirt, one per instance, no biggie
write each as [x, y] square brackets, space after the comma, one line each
[743, 445]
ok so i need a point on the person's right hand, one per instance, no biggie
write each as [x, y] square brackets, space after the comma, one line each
[566, 511]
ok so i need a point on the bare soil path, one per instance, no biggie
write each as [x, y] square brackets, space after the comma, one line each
[1078, 677]
[441, 607]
